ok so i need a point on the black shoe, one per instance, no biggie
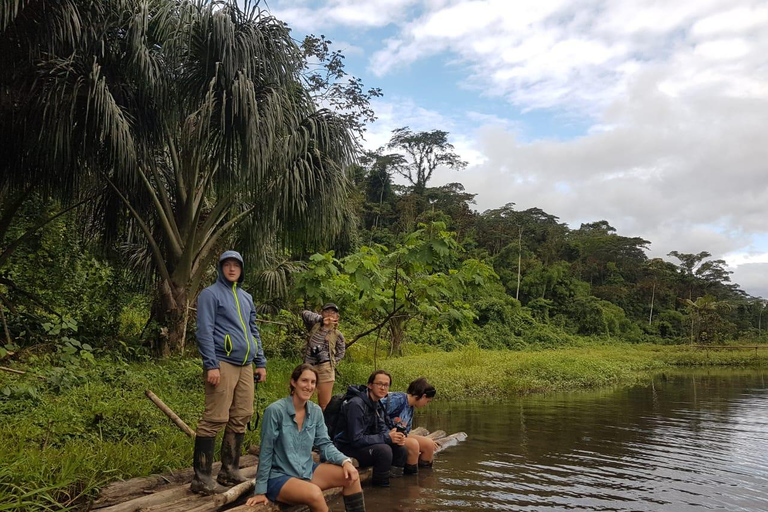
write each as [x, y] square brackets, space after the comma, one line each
[410, 469]
[395, 471]
[202, 461]
[384, 482]
[231, 447]
[425, 463]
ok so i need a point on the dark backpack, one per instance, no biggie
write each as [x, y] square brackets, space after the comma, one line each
[332, 415]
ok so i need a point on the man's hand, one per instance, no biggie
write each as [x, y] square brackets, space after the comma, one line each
[213, 377]
[397, 438]
[350, 471]
[259, 499]
[262, 374]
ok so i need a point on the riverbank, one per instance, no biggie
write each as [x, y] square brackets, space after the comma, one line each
[63, 442]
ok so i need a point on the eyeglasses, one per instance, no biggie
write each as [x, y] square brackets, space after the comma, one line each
[381, 384]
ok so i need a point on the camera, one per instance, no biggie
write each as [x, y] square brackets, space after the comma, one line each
[400, 429]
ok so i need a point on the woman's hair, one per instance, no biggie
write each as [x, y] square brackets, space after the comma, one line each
[421, 387]
[296, 373]
[379, 372]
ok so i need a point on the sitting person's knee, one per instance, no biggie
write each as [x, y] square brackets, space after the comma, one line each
[315, 495]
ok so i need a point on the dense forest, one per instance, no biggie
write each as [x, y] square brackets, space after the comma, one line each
[143, 138]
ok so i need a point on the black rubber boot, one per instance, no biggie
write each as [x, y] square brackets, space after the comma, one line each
[231, 447]
[395, 471]
[411, 469]
[425, 463]
[354, 503]
[380, 482]
[202, 461]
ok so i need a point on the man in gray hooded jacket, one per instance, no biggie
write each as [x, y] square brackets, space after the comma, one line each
[229, 343]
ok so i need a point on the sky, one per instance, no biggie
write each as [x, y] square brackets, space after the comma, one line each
[652, 115]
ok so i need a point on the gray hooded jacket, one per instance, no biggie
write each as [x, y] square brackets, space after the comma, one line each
[226, 323]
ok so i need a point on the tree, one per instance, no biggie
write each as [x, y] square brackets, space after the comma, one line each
[208, 133]
[420, 279]
[697, 271]
[425, 152]
[705, 317]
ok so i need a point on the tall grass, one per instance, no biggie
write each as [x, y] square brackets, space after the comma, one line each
[60, 447]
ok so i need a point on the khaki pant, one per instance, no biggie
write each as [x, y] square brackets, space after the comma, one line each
[230, 403]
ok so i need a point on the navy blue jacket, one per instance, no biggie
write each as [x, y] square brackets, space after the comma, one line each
[363, 420]
[226, 323]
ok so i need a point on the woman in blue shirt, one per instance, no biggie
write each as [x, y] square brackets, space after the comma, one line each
[399, 406]
[290, 427]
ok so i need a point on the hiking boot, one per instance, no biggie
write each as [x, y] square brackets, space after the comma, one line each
[410, 469]
[425, 463]
[395, 471]
[202, 460]
[231, 447]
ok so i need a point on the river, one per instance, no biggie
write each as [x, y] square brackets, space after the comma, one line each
[693, 441]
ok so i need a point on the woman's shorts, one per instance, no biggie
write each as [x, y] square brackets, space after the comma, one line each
[275, 485]
[325, 372]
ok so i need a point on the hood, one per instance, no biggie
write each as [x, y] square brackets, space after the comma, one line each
[230, 255]
[362, 392]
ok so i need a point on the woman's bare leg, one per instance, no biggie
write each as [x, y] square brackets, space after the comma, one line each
[324, 392]
[412, 445]
[330, 475]
[300, 492]
[426, 447]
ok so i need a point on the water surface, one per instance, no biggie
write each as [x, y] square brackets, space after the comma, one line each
[696, 441]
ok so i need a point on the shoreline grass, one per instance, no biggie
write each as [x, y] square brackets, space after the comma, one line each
[61, 446]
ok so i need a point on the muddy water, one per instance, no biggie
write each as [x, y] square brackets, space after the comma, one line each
[696, 441]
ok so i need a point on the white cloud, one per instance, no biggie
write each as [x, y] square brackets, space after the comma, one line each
[676, 94]
[311, 16]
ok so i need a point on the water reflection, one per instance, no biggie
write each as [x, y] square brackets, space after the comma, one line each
[696, 441]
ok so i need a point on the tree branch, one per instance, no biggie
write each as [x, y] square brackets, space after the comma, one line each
[31, 232]
[156, 252]
[164, 221]
[378, 326]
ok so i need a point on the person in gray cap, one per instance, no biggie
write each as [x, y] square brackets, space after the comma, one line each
[229, 344]
[325, 348]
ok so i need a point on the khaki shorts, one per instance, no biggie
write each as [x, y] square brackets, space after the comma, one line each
[325, 372]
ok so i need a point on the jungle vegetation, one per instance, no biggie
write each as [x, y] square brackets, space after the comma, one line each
[145, 137]
[141, 138]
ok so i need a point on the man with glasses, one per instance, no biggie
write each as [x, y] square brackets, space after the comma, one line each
[364, 434]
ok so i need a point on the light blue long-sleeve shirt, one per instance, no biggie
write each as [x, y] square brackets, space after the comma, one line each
[286, 450]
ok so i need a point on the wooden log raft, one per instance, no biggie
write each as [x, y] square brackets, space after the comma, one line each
[170, 493]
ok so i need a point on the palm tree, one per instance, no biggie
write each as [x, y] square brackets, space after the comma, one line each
[206, 133]
[704, 313]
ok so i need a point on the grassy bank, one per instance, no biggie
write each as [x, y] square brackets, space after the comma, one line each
[62, 443]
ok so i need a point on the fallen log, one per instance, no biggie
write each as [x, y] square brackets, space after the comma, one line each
[438, 436]
[451, 440]
[119, 492]
[166, 496]
[169, 412]
[178, 498]
[329, 494]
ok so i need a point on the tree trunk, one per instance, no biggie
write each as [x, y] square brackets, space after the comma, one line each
[171, 311]
[653, 296]
[397, 330]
